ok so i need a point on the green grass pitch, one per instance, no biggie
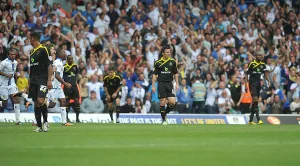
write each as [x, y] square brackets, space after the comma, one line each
[150, 145]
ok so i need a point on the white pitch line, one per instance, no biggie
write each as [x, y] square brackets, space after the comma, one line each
[116, 146]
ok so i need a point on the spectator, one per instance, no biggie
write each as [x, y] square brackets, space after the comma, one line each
[140, 107]
[94, 85]
[137, 92]
[217, 37]
[246, 99]
[148, 102]
[235, 89]
[92, 104]
[145, 83]
[211, 95]
[128, 107]
[124, 92]
[198, 94]
[276, 103]
[225, 103]
[154, 99]
[184, 95]
[83, 80]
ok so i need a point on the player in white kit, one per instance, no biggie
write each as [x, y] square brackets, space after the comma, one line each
[57, 93]
[8, 87]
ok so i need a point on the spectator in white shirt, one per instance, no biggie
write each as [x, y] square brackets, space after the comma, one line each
[277, 37]
[102, 24]
[295, 89]
[222, 87]
[194, 8]
[27, 47]
[137, 92]
[78, 54]
[16, 37]
[94, 85]
[124, 93]
[152, 55]
[94, 70]
[230, 41]
[225, 103]
[153, 15]
[270, 15]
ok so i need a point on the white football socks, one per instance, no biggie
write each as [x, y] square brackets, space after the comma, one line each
[17, 112]
[25, 96]
[63, 114]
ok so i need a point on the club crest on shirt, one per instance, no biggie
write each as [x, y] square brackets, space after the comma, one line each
[170, 63]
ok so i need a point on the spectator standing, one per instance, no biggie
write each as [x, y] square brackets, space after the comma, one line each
[154, 99]
[211, 96]
[198, 93]
[137, 92]
[184, 97]
[94, 85]
[235, 89]
[83, 80]
[124, 93]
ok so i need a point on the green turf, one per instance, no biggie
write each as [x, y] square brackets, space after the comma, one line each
[150, 145]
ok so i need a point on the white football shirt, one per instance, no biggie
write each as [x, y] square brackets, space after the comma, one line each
[8, 67]
[58, 64]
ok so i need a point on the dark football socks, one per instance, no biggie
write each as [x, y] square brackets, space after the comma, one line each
[163, 112]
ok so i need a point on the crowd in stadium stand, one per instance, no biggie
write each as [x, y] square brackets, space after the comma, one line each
[212, 40]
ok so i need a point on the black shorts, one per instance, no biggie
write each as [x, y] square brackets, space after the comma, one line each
[117, 97]
[71, 93]
[165, 90]
[37, 91]
[255, 90]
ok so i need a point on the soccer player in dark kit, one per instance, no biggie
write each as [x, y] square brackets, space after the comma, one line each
[70, 76]
[39, 78]
[165, 70]
[112, 86]
[255, 71]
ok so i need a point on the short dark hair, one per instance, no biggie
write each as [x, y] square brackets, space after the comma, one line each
[165, 48]
[59, 52]
[14, 50]
[35, 36]
[111, 68]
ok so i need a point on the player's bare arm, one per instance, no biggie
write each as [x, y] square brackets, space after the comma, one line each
[107, 94]
[49, 82]
[154, 78]
[176, 80]
[57, 76]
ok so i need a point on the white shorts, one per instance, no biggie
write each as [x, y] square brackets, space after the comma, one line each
[55, 94]
[5, 91]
